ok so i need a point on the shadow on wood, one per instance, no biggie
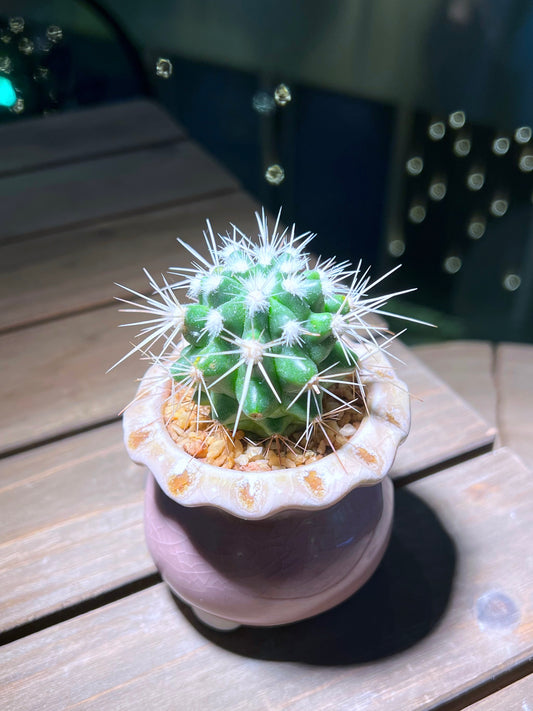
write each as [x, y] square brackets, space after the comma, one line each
[400, 605]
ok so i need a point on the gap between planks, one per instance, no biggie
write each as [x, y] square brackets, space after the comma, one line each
[79, 608]
[75, 271]
[37, 143]
[451, 666]
[55, 379]
[86, 458]
[480, 696]
[497, 380]
[51, 479]
[82, 193]
[127, 213]
[57, 438]
[88, 604]
[516, 696]
[109, 153]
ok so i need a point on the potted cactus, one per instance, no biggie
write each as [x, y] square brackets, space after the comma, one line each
[268, 420]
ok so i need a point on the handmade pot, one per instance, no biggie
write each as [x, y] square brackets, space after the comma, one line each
[269, 548]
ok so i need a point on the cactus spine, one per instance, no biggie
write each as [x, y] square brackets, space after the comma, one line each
[266, 334]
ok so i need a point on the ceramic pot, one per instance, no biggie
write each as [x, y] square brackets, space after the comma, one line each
[268, 548]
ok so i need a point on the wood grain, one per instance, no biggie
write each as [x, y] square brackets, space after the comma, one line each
[38, 502]
[514, 382]
[447, 610]
[443, 425]
[516, 697]
[71, 524]
[54, 376]
[62, 273]
[466, 366]
[54, 379]
[109, 186]
[32, 143]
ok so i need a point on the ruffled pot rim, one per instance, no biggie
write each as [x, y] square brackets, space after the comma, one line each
[364, 460]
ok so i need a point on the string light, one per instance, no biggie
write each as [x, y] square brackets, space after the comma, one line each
[457, 119]
[282, 95]
[275, 174]
[396, 247]
[511, 281]
[437, 130]
[263, 102]
[525, 162]
[476, 227]
[437, 189]
[54, 33]
[452, 264]
[522, 134]
[415, 165]
[16, 25]
[164, 68]
[26, 46]
[8, 97]
[501, 145]
[18, 106]
[499, 206]
[475, 179]
[462, 146]
[417, 213]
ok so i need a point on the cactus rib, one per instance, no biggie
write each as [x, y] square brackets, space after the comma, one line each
[266, 336]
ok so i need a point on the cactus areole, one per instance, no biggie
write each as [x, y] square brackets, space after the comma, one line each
[266, 333]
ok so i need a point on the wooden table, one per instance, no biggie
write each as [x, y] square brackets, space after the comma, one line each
[88, 199]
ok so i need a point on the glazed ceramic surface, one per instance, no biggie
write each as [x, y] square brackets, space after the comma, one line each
[266, 548]
[363, 461]
[273, 571]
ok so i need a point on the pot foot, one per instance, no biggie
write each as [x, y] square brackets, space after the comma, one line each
[218, 623]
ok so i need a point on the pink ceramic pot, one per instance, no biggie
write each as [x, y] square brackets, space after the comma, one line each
[269, 572]
[268, 548]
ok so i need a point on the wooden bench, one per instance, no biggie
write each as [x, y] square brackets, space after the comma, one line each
[446, 621]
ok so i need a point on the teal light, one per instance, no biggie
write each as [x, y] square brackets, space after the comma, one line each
[7, 93]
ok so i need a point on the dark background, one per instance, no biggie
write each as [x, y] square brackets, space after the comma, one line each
[367, 80]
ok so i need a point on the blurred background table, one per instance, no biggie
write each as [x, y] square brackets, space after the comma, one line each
[446, 621]
[400, 132]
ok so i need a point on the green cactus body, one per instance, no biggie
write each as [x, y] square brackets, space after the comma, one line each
[266, 336]
[259, 336]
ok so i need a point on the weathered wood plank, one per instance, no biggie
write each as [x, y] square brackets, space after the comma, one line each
[70, 525]
[37, 482]
[54, 378]
[76, 269]
[98, 188]
[516, 697]
[447, 610]
[443, 425]
[466, 366]
[33, 143]
[97, 460]
[514, 383]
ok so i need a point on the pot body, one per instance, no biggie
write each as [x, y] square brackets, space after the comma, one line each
[272, 571]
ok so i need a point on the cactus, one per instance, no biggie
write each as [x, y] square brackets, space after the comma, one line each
[267, 334]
